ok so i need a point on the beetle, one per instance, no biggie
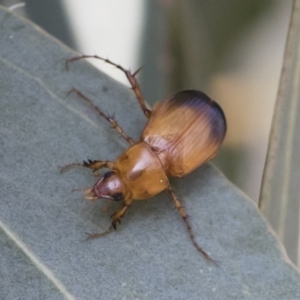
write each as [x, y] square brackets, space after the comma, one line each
[183, 131]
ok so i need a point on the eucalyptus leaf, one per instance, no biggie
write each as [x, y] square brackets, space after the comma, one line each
[44, 254]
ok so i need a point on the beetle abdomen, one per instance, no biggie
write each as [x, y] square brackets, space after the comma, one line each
[185, 130]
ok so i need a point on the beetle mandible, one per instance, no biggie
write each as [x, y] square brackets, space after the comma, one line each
[183, 132]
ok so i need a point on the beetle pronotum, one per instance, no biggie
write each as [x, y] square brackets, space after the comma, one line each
[183, 132]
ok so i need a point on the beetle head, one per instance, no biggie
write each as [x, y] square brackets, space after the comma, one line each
[109, 186]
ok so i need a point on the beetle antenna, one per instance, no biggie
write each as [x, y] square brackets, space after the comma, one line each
[81, 189]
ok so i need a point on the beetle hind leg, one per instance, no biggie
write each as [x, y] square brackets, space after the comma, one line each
[188, 225]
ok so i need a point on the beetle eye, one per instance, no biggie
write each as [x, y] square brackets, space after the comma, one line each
[108, 174]
[118, 196]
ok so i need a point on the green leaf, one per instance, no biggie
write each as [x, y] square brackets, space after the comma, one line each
[44, 254]
[279, 200]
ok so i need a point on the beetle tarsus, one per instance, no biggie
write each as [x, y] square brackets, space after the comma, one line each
[116, 216]
[115, 222]
[69, 166]
[94, 165]
[72, 90]
[114, 225]
[92, 236]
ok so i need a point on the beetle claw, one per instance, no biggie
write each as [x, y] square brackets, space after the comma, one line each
[115, 222]
[115, 219]
[114, 225]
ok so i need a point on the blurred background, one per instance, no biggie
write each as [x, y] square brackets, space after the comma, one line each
[232, 50]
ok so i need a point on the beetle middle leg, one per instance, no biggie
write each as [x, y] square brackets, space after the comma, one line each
[108, 118]
[188, 225]
[130, 76]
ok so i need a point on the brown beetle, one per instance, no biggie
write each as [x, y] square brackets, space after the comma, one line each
[183, 132]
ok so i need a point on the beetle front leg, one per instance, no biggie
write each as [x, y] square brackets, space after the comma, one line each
[115, 218]
[108, 118]
[94, 165]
